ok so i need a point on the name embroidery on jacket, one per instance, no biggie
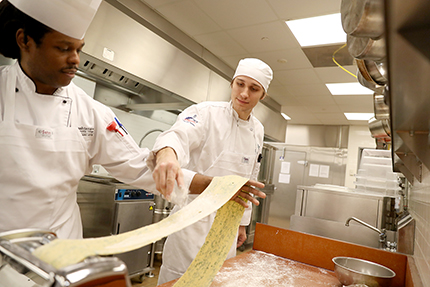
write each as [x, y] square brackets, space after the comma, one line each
[86, 131]
[44, 133]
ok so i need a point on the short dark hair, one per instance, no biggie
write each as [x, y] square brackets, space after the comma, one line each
[11, 20]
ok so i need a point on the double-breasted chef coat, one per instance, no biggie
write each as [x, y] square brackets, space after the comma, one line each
[209, 138]
[47, 143]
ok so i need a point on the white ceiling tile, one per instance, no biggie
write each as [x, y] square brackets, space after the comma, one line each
[233, 60]
[355, 109]
[185, 15]
[282, 96]
[316, 100]
[220, 43]
[288, 59]
[294, 9]
[336, 74]
[309, 90]
[361, 100]
[300, 76]
[264, 37]
[239, 13]
[300, 115]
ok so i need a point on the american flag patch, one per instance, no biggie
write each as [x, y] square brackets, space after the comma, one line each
[191, 121]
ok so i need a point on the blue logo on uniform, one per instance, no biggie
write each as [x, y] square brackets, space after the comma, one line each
[191, 121]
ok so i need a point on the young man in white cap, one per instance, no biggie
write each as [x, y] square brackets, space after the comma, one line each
[51, 132]
[216, 139]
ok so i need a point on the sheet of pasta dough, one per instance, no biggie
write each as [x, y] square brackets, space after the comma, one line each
[63, 252]
[214, 251]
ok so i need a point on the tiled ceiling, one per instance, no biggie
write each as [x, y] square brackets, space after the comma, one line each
[234, 29]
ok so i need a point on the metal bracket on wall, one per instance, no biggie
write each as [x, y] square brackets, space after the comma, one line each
[418, 143]
[410, 166]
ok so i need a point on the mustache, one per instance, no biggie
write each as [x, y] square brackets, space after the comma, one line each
[70, 68]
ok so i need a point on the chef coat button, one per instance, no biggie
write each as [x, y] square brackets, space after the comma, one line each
[16, 90]
[64, 101]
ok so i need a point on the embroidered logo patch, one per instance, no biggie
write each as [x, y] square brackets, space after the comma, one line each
[44, 133]
[191, 121]
[245, 160]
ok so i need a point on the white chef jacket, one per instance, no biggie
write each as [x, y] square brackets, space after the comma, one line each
[209, 138]
[47, 143]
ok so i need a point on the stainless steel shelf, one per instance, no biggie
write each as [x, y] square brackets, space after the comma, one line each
[408, 55]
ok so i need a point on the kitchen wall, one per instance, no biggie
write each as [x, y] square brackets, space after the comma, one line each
[419, 204]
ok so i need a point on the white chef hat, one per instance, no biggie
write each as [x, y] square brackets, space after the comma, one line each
[70, 17]
[255, 69]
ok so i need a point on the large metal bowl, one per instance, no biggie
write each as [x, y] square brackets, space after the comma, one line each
[358, 271]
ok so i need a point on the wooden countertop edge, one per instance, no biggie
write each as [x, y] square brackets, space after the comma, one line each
[318, 251]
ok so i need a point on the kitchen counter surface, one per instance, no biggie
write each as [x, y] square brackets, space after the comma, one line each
[282, 257]
[260, 269]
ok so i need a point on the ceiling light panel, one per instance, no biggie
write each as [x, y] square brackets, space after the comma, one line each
[338, 89]
[359, 116]
[321, 30]
[286, 117]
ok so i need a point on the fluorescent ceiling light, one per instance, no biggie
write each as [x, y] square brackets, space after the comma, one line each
[348, 89]
[359, 116]
[321, 30]
[285, 116]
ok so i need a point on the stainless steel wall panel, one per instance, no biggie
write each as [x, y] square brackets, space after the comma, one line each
[340, 206]
[318, 136]
[139, 51]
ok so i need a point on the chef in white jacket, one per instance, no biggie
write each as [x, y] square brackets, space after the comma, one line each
[51, 132]
[216, 139]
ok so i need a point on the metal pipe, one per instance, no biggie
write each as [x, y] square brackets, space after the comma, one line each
[382, 235]
[363, 223]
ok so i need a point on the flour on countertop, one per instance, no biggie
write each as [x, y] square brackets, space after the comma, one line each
[265, 269]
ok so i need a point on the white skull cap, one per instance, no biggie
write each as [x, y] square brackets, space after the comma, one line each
[70, 17]
[255, 69]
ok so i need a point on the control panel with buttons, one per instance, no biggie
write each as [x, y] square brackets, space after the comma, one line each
[133, 194]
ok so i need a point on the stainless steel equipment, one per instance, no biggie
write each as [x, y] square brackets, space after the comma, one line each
[260, 213]
[18, 267]
[109, 207]
[324, 210]
[162, 210]
[291, 166]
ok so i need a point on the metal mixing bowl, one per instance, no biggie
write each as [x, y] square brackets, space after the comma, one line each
[358, 271]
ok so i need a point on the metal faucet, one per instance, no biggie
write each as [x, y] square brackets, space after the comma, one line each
[382, 233]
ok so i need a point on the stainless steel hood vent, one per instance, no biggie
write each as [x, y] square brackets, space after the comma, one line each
[134, 94]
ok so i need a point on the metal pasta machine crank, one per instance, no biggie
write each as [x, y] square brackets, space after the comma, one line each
[19, 267]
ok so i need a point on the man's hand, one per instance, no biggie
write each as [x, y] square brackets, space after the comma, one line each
[167, 170]
[241, 236]
[244, 194]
